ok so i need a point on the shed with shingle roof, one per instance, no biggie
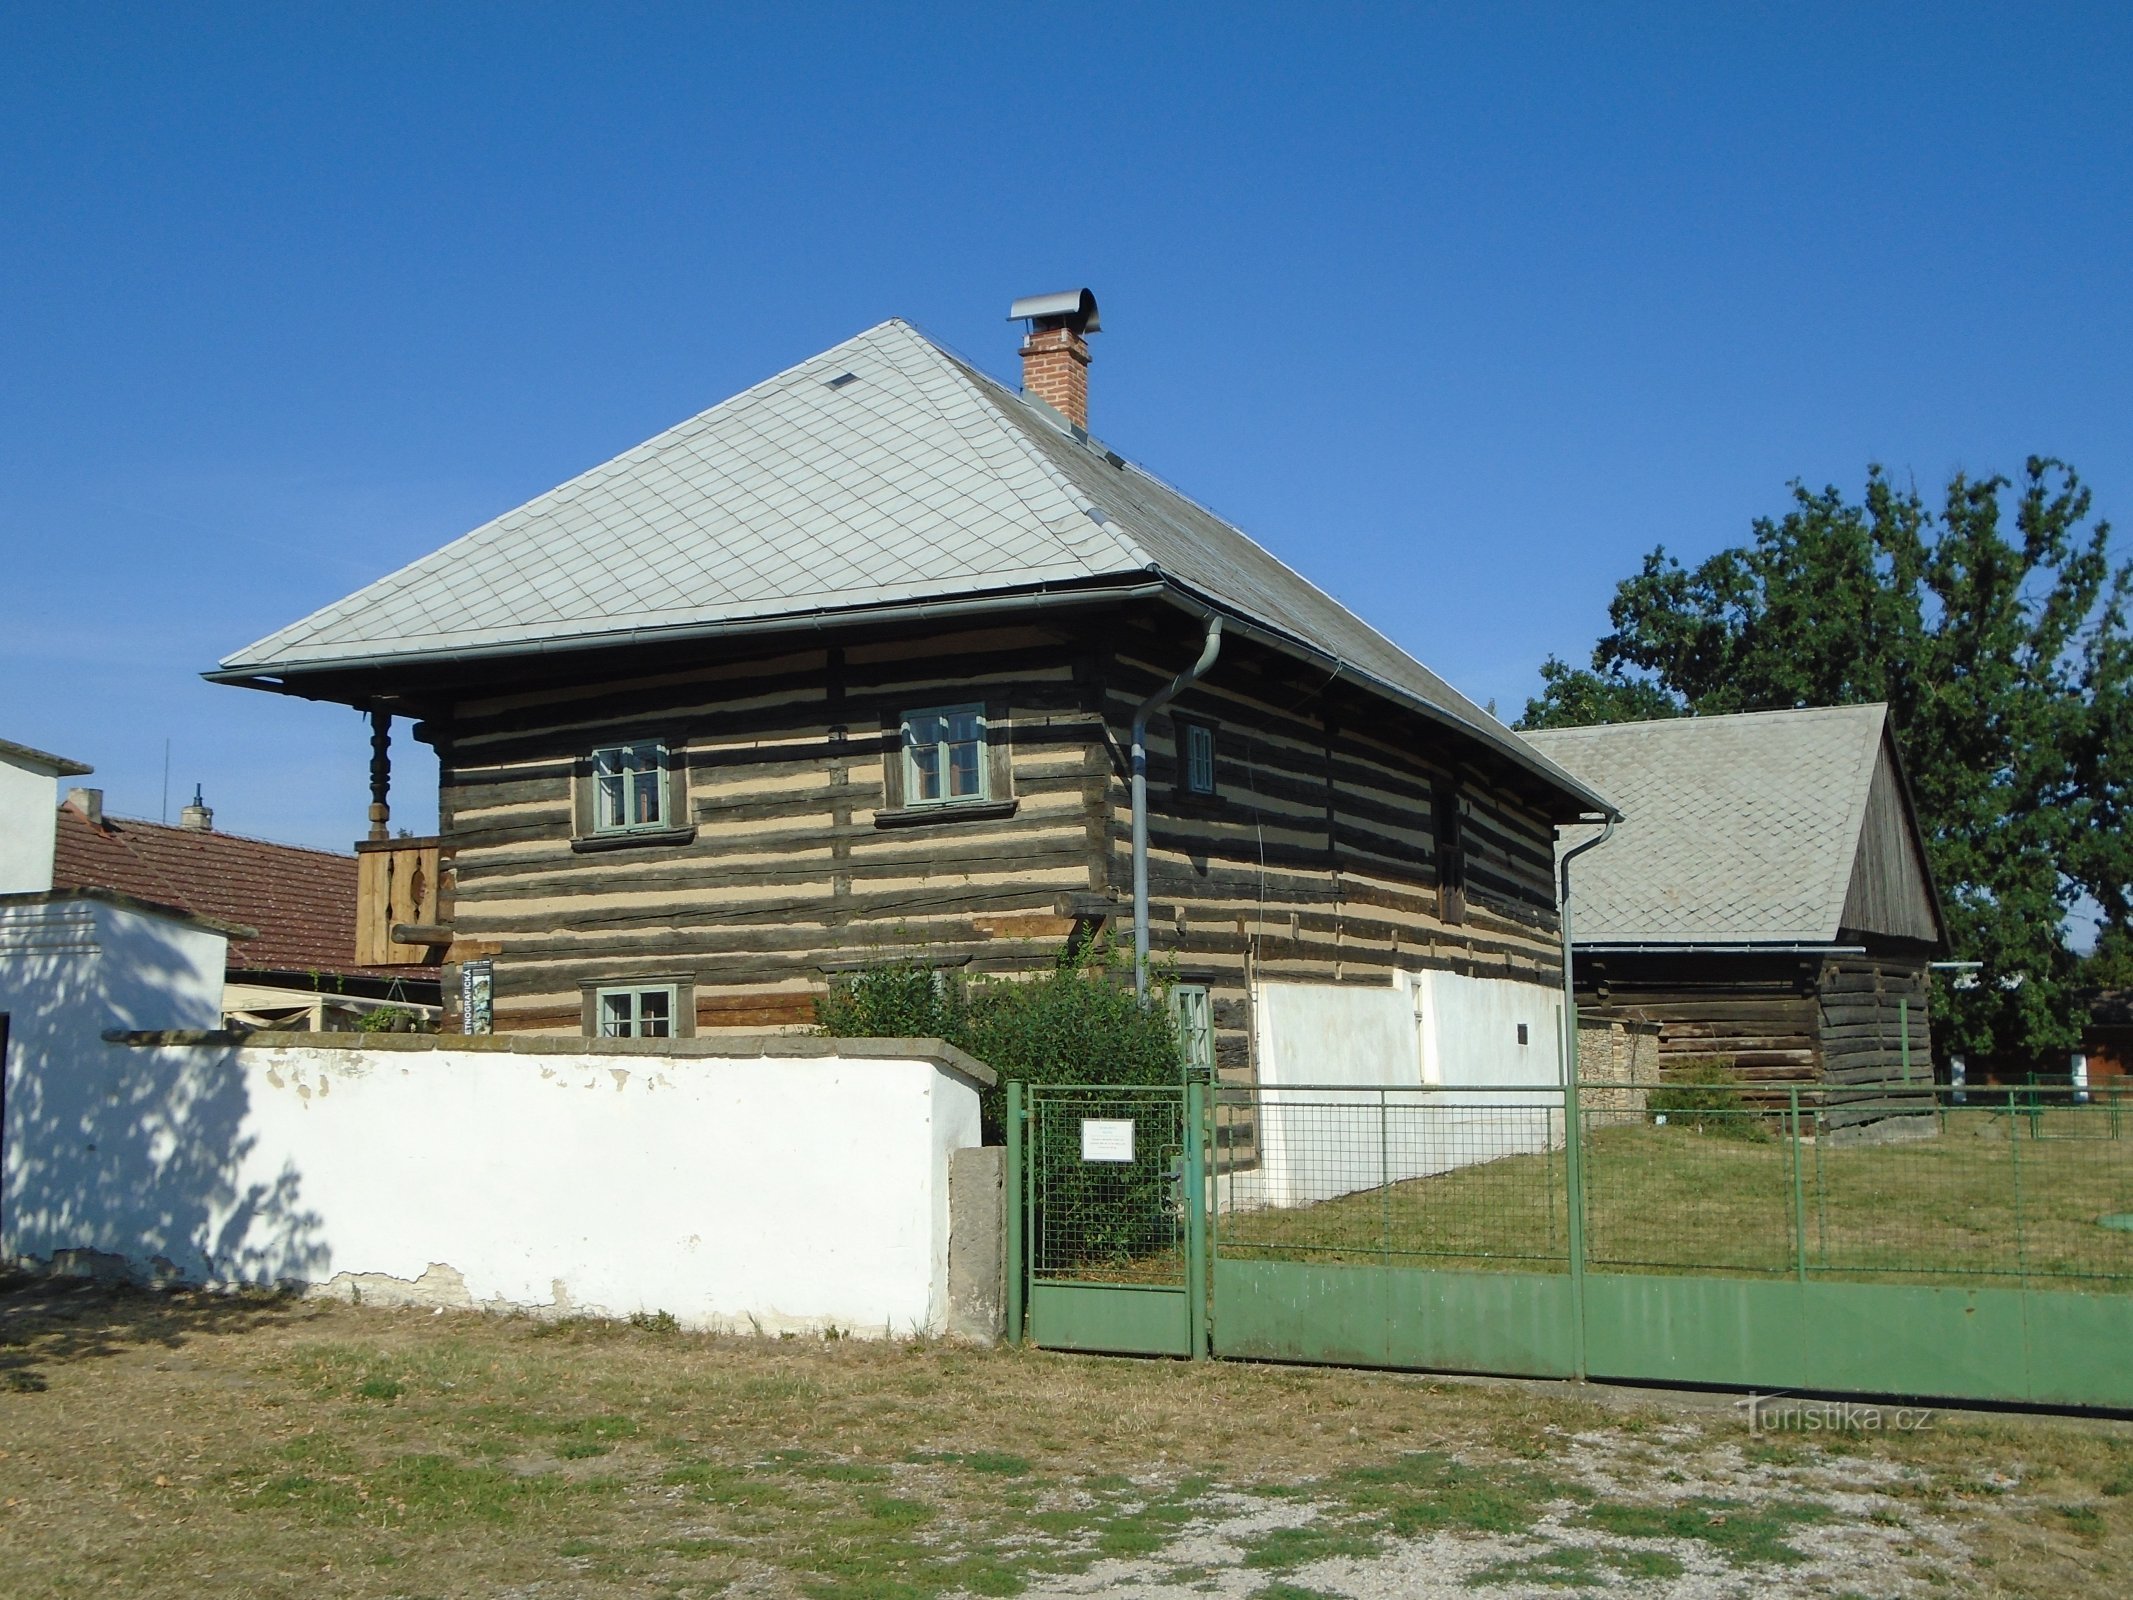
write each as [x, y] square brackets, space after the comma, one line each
[1766, 897]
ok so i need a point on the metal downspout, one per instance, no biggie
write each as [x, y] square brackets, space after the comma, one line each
[1562, 913]
[1209, 649]
[1573, 1130]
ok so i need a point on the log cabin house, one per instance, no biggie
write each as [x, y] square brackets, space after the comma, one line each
[851, 666]
[1766, 899]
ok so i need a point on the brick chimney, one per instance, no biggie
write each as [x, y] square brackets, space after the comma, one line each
[199, 817]
[1055, 351]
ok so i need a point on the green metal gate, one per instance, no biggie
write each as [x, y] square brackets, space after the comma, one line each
[1335, 1238]
[1110, 1234]
[1895, 1241]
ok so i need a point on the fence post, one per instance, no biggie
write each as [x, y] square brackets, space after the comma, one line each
[1384, 1183]
[1015, 1265]
[1196, 1217]
[1799, 1190]
[1574, 1206]
[2014, 1164]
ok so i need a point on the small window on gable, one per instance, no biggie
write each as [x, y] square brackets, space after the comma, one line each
[944, 755]
[630, 787]
[1196, 756]
[646, 1012]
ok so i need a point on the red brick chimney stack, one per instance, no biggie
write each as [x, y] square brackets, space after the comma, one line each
[1055, 352]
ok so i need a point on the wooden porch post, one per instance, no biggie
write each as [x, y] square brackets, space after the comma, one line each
[381, 772]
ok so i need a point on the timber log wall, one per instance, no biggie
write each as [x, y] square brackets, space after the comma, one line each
[1319, 858]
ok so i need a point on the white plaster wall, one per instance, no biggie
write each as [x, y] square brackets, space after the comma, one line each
[1470, 1031]
[1337, 1033]
[71, 968]
[1364, 1086]
[779, 1192]
[28, 827]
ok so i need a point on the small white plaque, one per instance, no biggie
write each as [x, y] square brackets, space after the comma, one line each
[1104, 1139]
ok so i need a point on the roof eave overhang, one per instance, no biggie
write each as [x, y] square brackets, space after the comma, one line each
[1590, 803]
[1726, 947]
[235, 931]
[298, 678]
[326, 679]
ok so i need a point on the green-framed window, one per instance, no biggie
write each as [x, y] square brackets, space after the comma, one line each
[944, 755]
[630, 787]
[637, 1011]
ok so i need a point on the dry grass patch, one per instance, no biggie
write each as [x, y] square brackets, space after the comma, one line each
[183, 1444]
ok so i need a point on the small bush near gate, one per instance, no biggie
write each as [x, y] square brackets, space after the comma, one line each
[893, 1000]
[1705, 1096]
[1076, 1024]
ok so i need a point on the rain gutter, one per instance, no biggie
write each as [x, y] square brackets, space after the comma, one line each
[821, 619]
[1210, 647]
[1678, 947]
[1573, 1124]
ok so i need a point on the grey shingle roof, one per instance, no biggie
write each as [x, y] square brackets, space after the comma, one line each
[1738, 829]
[882, 471]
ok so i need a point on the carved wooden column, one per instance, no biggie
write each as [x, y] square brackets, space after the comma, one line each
[381, 772]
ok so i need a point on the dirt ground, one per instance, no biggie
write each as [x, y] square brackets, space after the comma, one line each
[186, 1444]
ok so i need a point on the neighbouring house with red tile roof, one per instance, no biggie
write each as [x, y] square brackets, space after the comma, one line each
[299, 970]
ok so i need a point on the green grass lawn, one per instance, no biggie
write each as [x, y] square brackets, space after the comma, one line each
[1981, 1196]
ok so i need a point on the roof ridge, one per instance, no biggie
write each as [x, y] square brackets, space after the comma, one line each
[180, 829]
[172, 892]
[1706, 718]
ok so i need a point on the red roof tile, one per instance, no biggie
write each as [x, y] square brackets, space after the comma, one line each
[303, 902]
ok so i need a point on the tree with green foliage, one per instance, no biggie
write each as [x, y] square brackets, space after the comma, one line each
[1994, 626]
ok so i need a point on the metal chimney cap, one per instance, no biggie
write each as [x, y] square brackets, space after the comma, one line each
[1069, 308]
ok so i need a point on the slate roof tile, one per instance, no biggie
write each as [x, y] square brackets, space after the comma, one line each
[1735, 829]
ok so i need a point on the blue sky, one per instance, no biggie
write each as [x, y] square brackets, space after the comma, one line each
[1459, 310]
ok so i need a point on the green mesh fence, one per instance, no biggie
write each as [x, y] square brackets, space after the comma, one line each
[2030, 1185]
[1417, 1176]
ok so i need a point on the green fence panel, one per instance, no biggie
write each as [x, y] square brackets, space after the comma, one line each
[1861, 1338]
[1437, 1321]
[1110, 1319]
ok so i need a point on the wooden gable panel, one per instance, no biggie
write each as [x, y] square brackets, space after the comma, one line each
[1890, 893]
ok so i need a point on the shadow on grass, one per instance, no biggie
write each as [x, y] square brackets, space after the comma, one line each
[47, 1322]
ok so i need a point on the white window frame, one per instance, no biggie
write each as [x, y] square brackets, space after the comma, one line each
[634, 994]
[633, 781]
[1192, 1009]
[914, 798]
[1190, 735]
